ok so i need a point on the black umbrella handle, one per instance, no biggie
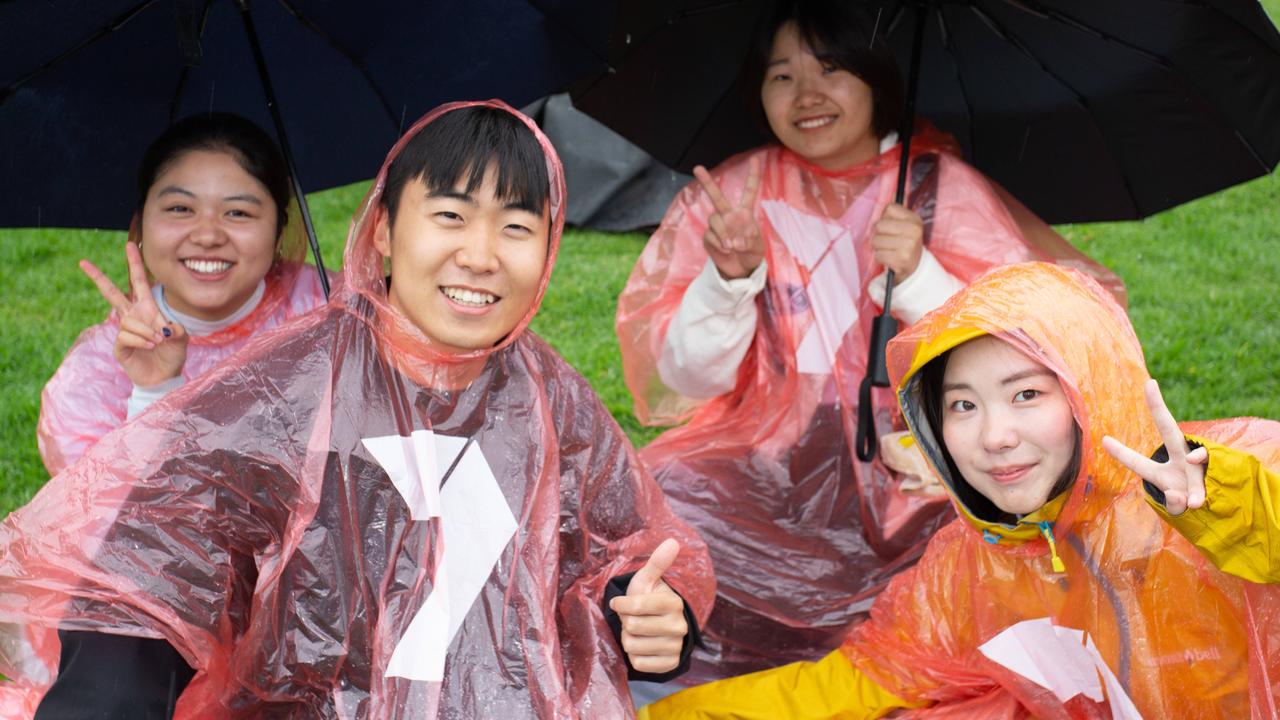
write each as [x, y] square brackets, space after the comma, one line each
[884, 326]
[274, 108]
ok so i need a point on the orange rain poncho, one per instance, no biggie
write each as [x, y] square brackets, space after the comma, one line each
[87, 397]
[342, 521]
[1140, 621]
[802, 534]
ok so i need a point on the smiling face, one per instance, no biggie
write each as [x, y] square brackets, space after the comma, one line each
[817, 110]
[208, 233]
[1007, 424]
[465, 266]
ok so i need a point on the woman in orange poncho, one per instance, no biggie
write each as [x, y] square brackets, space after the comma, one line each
[1142, 589]
[749, 312]
[403, 505]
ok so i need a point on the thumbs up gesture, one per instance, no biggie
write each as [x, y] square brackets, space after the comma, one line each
[652, 615]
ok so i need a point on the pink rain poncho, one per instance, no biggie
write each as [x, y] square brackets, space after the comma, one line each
[343, 522]
[88, 395]
[802, 534]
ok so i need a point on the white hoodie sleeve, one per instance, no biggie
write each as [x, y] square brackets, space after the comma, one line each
[710, 333]
[923, 290]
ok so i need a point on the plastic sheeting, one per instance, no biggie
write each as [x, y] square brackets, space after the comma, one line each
[88, 395]
[344, 522]
[1181, 638]
[802, 534]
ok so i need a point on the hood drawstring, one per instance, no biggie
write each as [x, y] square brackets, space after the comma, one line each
[1046, 529]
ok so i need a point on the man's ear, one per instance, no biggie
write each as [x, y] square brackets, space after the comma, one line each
[382, 233]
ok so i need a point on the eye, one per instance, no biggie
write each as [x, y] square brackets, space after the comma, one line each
[518, 230]
[177, 208]
[779, 77]
[1027, 395]
[960, 406]
[448, 217]
[237, 213]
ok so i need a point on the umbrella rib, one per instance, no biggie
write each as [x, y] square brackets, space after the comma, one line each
[949, 45]
[309, 24]
[115, 24]
[1013, 40]
[677, 18]
[1063, 18]
[186, 69]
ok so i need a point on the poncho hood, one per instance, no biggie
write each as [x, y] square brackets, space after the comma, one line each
[1067, 322]
[364, 270]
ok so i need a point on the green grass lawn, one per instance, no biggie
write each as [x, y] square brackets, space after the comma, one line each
[1202, 282]
[1202, 278]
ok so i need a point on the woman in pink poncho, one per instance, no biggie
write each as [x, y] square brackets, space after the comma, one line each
[211, 229]
[748, 315]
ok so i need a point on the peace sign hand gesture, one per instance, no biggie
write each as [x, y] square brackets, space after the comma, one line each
[733, 237]
[150, 349]
[1182, 477]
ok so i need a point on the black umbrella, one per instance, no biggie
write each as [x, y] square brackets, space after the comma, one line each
[1089, 110]
[85, 85]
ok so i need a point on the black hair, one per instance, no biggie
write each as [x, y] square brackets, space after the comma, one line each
[931, 402]
[849, 35]
[250, 145]
[464, 143]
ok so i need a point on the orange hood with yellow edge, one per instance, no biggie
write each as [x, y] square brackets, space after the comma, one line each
[1062, 319]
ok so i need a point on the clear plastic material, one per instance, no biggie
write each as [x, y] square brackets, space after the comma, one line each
[1181, 638]
[343, 522]
[802, 534]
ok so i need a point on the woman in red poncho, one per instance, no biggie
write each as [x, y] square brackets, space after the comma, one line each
[211, 229]
[748, 314]
[1082, 579]
[403, 505]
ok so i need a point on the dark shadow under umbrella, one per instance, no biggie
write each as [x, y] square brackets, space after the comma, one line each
[87, 84]
[1089, 110]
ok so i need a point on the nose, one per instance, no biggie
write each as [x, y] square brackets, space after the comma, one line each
[999, 430]
[207, 231]
[479, 251]
[808, 89]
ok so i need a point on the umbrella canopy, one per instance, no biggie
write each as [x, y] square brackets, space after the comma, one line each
[85, 85]
[1088, 110]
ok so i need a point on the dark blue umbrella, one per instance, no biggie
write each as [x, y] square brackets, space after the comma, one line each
[85, 85]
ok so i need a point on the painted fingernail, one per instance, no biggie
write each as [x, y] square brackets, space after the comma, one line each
[167, 332]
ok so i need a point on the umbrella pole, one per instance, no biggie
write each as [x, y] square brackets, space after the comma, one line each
[274, 109]
[884, 326]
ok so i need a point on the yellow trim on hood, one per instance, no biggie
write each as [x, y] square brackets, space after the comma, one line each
[946, 340]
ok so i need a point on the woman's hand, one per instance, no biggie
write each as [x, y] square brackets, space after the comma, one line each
[733, 237]
[898, 240]
[1182, 477]
[150, 349]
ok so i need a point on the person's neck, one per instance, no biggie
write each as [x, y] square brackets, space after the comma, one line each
[197, 326]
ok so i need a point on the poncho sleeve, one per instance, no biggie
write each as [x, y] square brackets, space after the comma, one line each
[163, 528]
[613, 515]
[673, 257]
[84, 400]
[1238, 527]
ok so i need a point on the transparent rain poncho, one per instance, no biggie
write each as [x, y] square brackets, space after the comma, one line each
[341, 521]
[802, 534]
[1139, 620]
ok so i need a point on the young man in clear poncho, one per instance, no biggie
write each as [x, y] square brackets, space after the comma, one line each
[1083, 579]
[402, 505]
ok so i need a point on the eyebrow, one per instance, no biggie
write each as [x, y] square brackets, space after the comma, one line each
[779, 61]
[243, 198]
[1021, 375]
[452, 195]
[174, 189]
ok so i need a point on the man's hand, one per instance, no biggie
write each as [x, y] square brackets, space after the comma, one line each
[652, 615]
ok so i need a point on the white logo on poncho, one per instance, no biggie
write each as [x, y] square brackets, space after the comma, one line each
[477, 524]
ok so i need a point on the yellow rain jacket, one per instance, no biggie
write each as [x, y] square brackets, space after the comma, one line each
[1096, 605]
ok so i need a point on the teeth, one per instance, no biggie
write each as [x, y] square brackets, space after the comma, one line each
[208, 267]
[469, 297]
[815, 122]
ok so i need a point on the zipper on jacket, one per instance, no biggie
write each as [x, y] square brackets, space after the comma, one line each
[1046, 529]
